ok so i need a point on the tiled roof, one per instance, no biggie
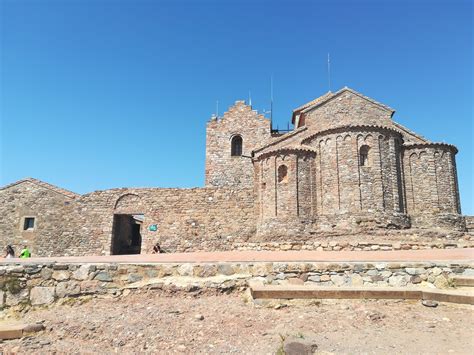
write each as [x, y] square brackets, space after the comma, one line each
[43, 184]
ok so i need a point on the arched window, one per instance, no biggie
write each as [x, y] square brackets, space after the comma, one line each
[282, 174]
[236, 146]
[364, 155]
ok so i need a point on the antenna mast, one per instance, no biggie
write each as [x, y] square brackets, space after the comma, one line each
[329, 74]
[217, 108]
[250, 98]
[271, 102]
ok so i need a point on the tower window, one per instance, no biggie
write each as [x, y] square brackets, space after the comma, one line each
[364, 155]
[236, 146]
[29, 223]
[282, 174]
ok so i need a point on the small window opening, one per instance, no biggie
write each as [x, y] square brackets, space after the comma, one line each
[282, 174]
[236, 146]
[29, 223]
[364, 155]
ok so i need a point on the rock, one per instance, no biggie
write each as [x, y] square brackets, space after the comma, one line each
[61, 275]
[414, 271]
[2, 299]
[338, 280]
[225, 269]
[429, 303]
[82, 273]
[134, 278]
[185, 270]
[415, 279]
[398, 281]
[436, 271]
[14, 299]
[325, 278]
[205, 270]
[299, 346]
[386, 274]
[356, 280]
[103, 276]
[314, 278]
[46, 273]
[33, 328]
[199, 317]
[441, 282]
[68, 288]
[42, 295]
[375, 316]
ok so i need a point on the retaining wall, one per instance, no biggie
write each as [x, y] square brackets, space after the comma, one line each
[23, 285]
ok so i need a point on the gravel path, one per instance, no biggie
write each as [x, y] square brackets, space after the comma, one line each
[157, 322]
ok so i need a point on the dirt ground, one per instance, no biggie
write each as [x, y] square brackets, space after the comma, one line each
[156, 322]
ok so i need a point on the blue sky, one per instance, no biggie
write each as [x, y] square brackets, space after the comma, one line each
[102, 94]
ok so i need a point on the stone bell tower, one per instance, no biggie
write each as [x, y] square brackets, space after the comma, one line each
[230, 141]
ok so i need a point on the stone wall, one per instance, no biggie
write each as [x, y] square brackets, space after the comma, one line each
[432, 195]
[347, 108]
[186, 219]
[27, 285]
[53, 211]
[222, 169]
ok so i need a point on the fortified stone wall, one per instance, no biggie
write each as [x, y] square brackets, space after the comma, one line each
[186, 219]
[223, 169]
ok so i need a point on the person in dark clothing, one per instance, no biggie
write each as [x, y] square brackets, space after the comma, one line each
[9, 252]
[157, 249]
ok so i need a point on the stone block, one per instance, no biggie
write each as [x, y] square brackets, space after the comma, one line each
[68, 288]
[82, 273]
[338, 280]
[13, 299]
[103, 276]
[225, 269]
[61, 275]
[185, 270]
[42, 295]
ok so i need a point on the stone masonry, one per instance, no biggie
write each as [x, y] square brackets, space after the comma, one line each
[346, 174]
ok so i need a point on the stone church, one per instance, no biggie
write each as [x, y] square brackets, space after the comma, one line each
[345, 168]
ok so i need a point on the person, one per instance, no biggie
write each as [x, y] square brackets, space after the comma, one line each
[10, 253]
[156, 249]
[25, 253]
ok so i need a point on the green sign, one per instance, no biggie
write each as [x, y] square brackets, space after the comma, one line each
[153, 227]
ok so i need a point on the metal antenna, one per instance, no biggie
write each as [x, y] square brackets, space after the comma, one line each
[250, 98]
[329, 73]
[271, 102]
[217, 108]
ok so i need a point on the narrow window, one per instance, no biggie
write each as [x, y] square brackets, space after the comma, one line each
[282, 174]
[236, 146]
[29, 223]
[364, 155]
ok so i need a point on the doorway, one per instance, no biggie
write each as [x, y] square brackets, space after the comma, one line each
[126, 234]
